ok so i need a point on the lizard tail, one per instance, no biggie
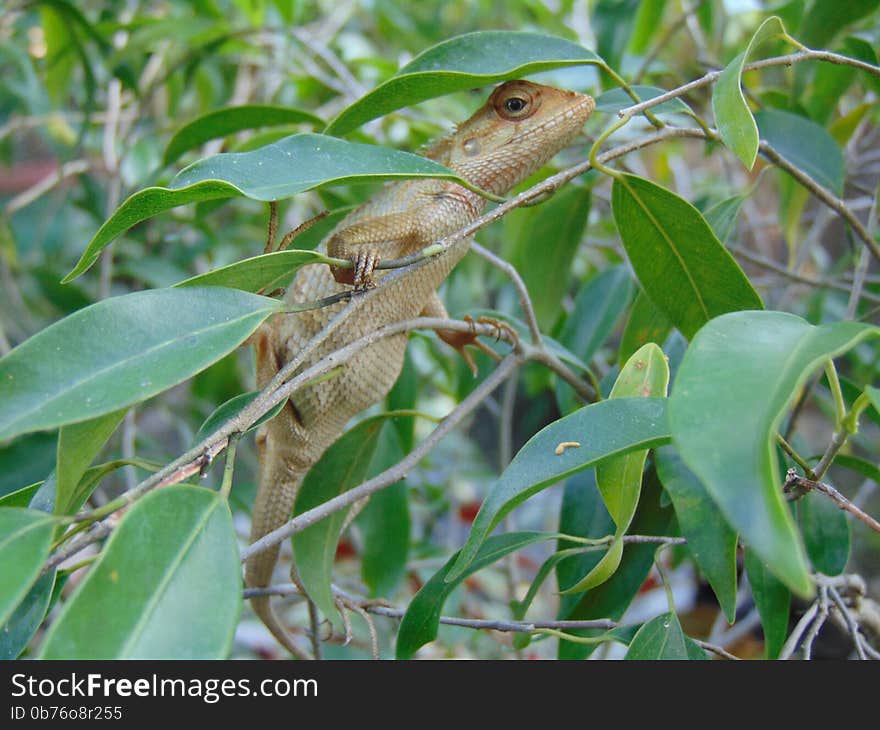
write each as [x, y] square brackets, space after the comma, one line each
[271, 510]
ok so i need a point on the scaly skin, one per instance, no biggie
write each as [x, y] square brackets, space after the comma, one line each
[516, 132]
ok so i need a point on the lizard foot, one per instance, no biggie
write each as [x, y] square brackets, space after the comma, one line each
[458, 340]
[360, 275]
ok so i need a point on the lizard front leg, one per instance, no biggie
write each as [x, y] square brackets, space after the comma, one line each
[367, 241]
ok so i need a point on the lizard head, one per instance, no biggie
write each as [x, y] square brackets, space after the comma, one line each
[519, 128]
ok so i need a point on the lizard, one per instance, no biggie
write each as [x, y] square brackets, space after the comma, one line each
[518, 130]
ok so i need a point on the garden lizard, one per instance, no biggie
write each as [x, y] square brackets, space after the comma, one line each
[521, 126]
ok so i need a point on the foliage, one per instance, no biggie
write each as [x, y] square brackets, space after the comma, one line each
[709, 268]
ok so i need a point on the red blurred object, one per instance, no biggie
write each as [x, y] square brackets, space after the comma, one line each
[468, 511]
[25, 175]
[345, 550]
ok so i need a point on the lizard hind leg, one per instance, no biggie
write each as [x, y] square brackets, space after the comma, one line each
[459, 340]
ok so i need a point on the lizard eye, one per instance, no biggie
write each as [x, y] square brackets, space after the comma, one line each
[515, 101]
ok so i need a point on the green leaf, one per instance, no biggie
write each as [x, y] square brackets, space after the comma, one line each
[78, 445]
[343, 466]
[806, 145]
[61, 53]
[520, 608]
[773, 601]
[582, 514]
[20, 497]
[646, 324]
[537, 466]
[829, 84]
[824, 20]
[462, 63]
[598, 307]
[645, 375]
[26, 460]
[222, 122]
[660, 638]
[614, 596]
[721, 217]
[614, 100]
[826, 533]
[266, 272]
[744, 368]
[16, 633]
[280, 170]
[619, 479]
[861, 466]
[681, 265]
[402, 397]
[732, 115]
[230, 409]
[603, 570]
[43, 493]
[613, 22]
[167, 585]
[695, 652]
[874, 396]
[385, 523]
[648, 23]
[864, 51]
[546, 269]
[422, 618]
[385, 526]
[25, 539]
[137, 345]
[710, 539]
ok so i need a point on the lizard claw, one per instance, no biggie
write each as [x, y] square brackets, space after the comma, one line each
[365, 263]
[360, 275]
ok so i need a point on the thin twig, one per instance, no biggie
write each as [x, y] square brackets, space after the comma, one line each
[525, 300]
[794, 638]
[380, 609]
[800, 485]
[849, 619]
[818, 623]
[858, 286]
[712, 76]
[771, 265]
[715, 649]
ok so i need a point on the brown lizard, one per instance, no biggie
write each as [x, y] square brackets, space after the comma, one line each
[517, 131]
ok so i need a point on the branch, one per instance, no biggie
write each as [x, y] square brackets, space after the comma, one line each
[524, 627]
[712, 76]
[379, 609]
[796, 486]
[525, 300]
